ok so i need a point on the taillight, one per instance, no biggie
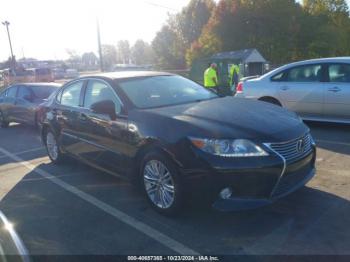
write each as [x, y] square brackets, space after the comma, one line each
[239, 88]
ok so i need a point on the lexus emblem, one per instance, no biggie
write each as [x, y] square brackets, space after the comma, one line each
[300, 146]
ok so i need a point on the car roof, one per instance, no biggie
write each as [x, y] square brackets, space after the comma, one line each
[323, 60]
[127, 74]
[344, 59]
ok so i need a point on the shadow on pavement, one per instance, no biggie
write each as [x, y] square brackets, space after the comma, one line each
[331, 136]
[53, 221]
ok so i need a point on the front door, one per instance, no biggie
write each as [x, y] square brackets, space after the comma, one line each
[337, 92]
[302, 90]
[105, 136]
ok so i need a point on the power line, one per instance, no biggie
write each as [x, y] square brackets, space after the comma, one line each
[161, 6]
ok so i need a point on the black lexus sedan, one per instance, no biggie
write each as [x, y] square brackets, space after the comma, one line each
[20, 102]
[176, 139]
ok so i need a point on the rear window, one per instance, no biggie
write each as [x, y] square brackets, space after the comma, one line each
[43, 92]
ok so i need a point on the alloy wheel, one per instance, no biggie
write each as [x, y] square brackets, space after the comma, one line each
[51, 145]
[159, 184]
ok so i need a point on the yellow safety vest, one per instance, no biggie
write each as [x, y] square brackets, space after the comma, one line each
[209, 75]
[234, 69]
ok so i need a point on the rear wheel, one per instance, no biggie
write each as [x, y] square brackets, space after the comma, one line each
[53, 148]
[3, 122]
[161, 183]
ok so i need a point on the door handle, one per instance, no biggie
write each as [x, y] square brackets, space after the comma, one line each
[83, 117]
[284, 88]
[334, 89]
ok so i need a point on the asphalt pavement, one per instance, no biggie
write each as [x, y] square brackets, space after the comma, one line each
[73, 209]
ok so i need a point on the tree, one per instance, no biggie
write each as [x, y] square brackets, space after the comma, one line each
[109, 54]
[89, 60]
[190, 21]
[180, 31]
[168, 49]
[123, 51]
[142, 53]
[316, 7]
[74, 59]
[331, 31]
[282, 31]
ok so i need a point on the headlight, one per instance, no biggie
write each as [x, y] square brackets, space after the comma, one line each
[228, 148]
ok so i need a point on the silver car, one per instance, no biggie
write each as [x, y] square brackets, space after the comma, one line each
[317, 89]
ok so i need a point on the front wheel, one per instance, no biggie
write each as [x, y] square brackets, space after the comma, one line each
[52, 148]
[161, 183]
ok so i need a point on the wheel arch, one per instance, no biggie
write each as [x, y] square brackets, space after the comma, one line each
[150, 145]
[270, 99]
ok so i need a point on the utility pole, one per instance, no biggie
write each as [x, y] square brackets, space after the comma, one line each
[99, 45]
[7, 23]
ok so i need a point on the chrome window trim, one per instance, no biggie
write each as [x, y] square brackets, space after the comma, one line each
[64, 87]
[105, 82]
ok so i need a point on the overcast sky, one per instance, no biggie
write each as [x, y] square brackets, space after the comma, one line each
[44, 29]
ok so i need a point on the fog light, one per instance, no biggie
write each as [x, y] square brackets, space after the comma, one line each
[226, 193]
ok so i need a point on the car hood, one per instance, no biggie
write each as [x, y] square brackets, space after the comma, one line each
[232, 117]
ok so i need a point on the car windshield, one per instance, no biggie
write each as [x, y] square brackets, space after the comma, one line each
[43, 92]
[158, 91]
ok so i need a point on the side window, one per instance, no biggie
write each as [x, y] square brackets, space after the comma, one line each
[12, 92]
[307, 73]
[24, 93]
[339, 73]
[97, 91]
[71, 94]
[279, 77]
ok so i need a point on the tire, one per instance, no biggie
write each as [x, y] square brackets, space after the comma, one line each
[271, 101]
[3, 122]
[53, 148]
[161, 183]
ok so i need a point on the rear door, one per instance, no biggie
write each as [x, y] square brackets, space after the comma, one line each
[302, 90]
[337, 96]
[24, 109]
[67, 116]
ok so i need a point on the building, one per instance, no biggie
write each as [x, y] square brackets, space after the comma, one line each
[250, 61]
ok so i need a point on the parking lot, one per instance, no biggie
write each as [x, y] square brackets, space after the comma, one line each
[74, 209]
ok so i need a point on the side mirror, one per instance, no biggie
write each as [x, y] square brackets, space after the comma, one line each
[105, 107]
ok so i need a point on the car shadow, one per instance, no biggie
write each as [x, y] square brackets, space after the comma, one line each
[334, 137]
[50, 219]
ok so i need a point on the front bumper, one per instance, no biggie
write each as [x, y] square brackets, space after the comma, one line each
[253, 187]
[233, 203]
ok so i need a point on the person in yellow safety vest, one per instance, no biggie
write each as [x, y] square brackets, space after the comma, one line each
[211, 77]
[234, 76]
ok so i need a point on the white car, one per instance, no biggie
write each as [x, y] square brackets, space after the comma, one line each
[317, 89]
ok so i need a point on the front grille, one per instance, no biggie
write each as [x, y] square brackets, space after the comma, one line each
[290, 180]
[294, 150]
